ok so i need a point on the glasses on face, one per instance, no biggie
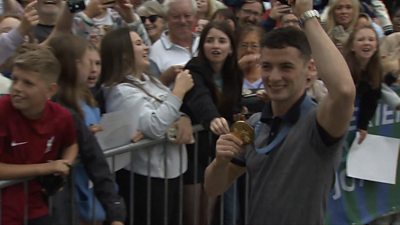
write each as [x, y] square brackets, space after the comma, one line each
[151, 18]
[246, 45]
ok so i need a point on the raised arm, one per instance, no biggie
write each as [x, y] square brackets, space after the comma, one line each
[14, 38]
[12, 7]
[335, 111]
[126, 10]
[63, 24]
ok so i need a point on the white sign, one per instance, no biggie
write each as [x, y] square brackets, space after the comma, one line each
[375, 159]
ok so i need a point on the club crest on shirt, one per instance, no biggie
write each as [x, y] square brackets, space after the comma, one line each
[49, 144]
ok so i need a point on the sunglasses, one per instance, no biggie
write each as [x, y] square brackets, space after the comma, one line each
[152, 18]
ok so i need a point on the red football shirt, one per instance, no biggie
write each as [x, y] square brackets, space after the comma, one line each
[25, 141]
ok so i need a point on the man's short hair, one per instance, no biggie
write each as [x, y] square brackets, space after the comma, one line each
[242, 3]
[167, 4]
[38, 59]
[288, 37]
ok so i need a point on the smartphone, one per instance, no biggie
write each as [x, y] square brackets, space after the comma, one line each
[76, 5]
[284, 2]
[109, 3]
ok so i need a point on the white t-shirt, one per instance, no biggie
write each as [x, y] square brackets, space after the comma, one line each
[165, 54]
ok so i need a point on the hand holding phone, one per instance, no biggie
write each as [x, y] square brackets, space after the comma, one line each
[280, 8]
[75, 6]
[283, 2]
[108, 3]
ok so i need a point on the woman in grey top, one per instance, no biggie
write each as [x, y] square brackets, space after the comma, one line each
[156, 108]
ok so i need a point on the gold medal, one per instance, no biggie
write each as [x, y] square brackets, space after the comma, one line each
[243, 131]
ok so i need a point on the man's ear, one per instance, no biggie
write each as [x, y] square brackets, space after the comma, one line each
[312, 73]
[53, 89]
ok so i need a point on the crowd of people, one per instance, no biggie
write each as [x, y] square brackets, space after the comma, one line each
[295, 70]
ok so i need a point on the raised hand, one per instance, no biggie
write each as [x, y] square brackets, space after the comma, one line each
[169, 75]
[30, 18]
[125, 9]
[278, 10]
[300, 6]
[183, 83]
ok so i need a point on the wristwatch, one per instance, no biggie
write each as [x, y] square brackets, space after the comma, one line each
[308, 15]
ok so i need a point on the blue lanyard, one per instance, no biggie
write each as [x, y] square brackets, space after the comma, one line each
[304, 108]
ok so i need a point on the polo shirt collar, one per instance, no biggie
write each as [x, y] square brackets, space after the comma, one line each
[166, 42]
[291, 116]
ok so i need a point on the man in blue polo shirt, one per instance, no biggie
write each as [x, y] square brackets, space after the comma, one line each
[297, 144]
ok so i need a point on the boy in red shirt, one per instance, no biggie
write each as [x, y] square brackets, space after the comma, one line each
[37, 136]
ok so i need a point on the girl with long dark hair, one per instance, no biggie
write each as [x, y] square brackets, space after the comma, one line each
[212, 102]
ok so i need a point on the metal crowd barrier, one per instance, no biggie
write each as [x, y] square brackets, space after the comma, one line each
[112, 153]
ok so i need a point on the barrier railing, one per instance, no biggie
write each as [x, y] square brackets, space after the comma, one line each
[110, 154]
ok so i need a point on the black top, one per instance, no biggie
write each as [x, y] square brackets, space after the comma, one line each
[96, 166]
[41, 32]
[367, 101]
[201, 102]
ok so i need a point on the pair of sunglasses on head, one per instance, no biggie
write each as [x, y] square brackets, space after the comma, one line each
[151, 18]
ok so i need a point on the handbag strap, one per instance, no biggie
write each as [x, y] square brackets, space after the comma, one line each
[129, 81]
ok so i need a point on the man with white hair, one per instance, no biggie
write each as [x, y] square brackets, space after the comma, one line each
[168, 56]
[178, 44]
